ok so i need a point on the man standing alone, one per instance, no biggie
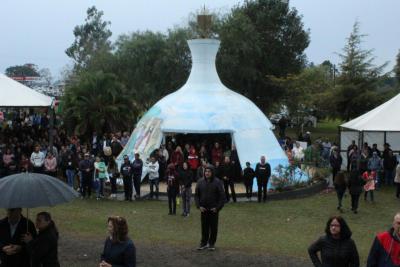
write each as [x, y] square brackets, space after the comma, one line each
[263, 172]
[209, 198]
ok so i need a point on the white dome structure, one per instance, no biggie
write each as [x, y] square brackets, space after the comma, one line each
[204, 105]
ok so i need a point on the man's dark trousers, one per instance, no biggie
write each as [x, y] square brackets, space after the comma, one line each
[136, 182]
[209, 227]
[127, 187]
[262, 190]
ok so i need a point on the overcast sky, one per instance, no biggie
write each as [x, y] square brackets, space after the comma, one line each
[39, 31]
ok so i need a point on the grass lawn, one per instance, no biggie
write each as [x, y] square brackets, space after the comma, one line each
[279, 227]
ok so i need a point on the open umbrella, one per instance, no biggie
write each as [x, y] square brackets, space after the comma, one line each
[30, 190]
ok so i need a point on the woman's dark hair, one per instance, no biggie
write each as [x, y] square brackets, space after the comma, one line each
[120, 228]
[345, 232]
[46, 216]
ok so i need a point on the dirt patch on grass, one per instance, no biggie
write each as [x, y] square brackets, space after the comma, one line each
[79, 252]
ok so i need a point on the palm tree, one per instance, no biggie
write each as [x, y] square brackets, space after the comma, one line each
[98, 102]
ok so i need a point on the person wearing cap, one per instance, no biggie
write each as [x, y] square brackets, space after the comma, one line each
[126, 172]
[86, 167]
[209, 198]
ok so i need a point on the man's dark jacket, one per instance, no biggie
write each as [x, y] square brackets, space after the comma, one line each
[209, 193]
[385, 250]
[43, 249]
[20, 259]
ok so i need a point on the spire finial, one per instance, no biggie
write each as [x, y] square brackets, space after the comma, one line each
[204, 21]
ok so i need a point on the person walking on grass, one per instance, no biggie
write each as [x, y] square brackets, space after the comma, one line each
[209, 198]
[340, 188]
[369, 187]
[263, 173]
[355, 189]
[336, 247]
[385, 250]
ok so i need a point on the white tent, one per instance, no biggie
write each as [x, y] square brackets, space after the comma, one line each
[378, 126]
[204, 105]
[15, 94]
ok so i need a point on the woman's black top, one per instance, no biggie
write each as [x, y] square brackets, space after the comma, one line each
[334, 252]
[119, 254]
[44, 248]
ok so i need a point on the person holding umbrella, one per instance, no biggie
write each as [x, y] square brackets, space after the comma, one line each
[43, 248]
[13, 251]
[27, 190]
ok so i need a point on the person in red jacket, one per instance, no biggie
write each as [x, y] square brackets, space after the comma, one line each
[385, 250]
[193, 160]
[177, 157]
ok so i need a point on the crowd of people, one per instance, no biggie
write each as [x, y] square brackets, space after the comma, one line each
[212, 164]
[367, 170]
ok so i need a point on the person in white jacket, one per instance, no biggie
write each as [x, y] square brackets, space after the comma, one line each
[298, 152]
[154, 178]
[37, 160]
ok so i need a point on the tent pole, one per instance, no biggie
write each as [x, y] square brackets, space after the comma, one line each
[27, 220]
[51, 128]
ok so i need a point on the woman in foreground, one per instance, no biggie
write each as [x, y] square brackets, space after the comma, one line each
[119, 249]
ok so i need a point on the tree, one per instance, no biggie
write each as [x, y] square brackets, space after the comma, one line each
[97, 102]
[306, 90]
[26, 70]
[258, 39]
[152, 65]
[397, 68]
[356, 92]
[46, 76]
[91, 38]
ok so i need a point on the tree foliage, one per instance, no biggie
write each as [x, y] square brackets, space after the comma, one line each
[152, 65]
[91, 38]
[97, 102]
[397, 68]
[258, 39]
[26, 70]
[306, 90]
[359, 79]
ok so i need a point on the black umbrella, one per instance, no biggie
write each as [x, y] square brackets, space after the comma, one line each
[30, 190]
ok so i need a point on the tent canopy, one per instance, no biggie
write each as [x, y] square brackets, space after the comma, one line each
[382, 118]
[15, 94]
